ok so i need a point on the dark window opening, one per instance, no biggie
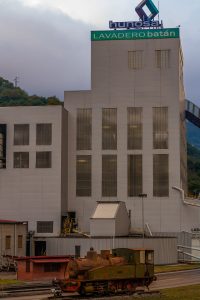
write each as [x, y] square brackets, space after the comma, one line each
[51, 267]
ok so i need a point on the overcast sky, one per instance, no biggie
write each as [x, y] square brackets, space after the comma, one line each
[47, 42]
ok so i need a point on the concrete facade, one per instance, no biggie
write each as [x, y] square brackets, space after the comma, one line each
[114, 85]
[35, 194]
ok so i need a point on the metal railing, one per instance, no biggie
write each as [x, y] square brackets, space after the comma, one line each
[181, 251]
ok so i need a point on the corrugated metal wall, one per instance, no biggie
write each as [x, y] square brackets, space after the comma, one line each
[165, 248]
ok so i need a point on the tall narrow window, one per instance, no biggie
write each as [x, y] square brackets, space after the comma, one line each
[43, 159]
[8, 242]
[21, 134]
[134, 128]
[109, 176]
[3, 137]
[135, 59]
[160, 175]
[43, 134]
[109, 128]
[21, 159]
[163, 59]
[20, 241]
[84, 129]
[83, 176]
[160, 127]
[134, 175]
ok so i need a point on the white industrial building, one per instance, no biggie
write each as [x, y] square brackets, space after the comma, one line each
[33, 177]
[119, 148]
[127, 134]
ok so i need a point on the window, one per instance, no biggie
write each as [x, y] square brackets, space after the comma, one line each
[134, 128]
[20, 241]
[45, 227]
[43, 134]
[51, 267]
[8, 242]
[134, 175]
[160, 175]
[109, 129]
[77, 251]
[135, 59]
[160, 127]
[163, 59]
[84, 129]
[109, 176]
[21, 134]
[21, 159]
[83, 176]
[43, 159]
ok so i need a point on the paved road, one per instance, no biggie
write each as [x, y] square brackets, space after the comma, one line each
[175, 279]
[165, 280]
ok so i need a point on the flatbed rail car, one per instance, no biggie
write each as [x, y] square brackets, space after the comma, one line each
[123, 270]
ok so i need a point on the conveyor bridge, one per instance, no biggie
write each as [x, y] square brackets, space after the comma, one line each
[192, 113]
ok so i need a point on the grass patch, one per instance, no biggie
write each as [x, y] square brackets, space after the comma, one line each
[173, 268]
[181, 293]
[9, 281]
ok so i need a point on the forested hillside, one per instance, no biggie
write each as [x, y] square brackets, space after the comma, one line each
[193, 170]
[193, 135]
[15, 96]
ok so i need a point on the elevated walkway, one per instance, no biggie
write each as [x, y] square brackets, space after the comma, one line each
[192, 113]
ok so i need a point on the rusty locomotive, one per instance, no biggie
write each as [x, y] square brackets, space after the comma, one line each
[123, 270]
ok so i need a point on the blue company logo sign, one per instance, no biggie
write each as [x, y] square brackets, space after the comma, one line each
[145, 20]
[152, 8]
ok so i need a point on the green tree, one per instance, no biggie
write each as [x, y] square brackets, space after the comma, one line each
[15, 96]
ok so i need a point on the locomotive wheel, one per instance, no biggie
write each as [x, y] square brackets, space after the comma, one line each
[131, 287]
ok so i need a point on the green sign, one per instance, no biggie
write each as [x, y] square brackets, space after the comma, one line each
[137, 34]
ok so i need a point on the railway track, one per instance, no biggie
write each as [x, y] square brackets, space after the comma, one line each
[18, 291]
[119, 296]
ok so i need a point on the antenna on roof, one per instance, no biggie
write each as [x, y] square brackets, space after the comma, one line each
[16, 81]
[159, 11]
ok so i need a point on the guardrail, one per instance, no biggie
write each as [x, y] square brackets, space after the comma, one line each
[186, 253]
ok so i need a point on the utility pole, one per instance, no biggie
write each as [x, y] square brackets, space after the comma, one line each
[143, 226]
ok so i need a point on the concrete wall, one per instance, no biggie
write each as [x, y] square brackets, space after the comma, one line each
[122, 221]
[64, 162]
[165, 248]
[102, 227]
[33, 194]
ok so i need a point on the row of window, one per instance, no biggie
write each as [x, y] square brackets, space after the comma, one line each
[43, 134]
[8, 242]
[21, 159]
[134, 128]
[136, 59]
[134, 174]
